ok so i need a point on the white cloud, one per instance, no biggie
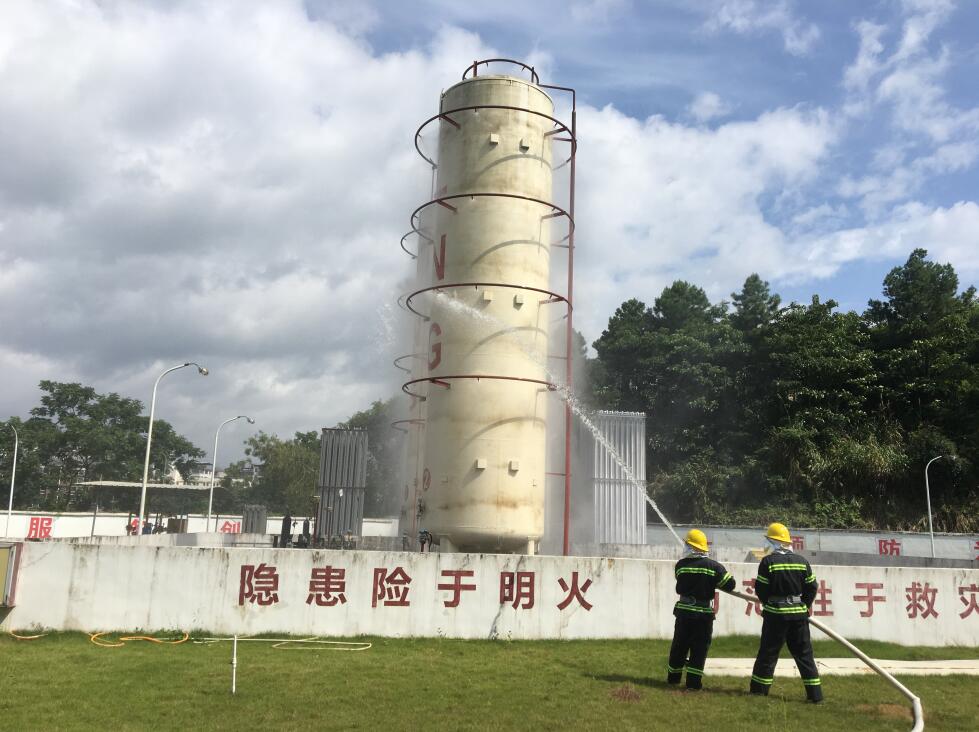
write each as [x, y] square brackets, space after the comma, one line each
[707, 106]
[224, 182]
[867, 64]
[909, 80]
[227, 182]
[756, 16]
[678, 202]
[931, 136]
[948, 233]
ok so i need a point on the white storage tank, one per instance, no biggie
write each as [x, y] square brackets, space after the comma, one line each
[485, 246]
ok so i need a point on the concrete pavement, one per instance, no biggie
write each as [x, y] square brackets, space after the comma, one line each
[846, 667]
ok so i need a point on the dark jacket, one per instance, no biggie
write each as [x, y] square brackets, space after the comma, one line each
[697, 578]
[785, 585]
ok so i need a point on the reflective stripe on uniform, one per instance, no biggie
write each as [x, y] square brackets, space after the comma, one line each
[760, 680]
[672, 670]
[812, 682]
[786, 610]
[694, 671]
[694, 608]
[761, 579]
[724, 579]
[695, 570]
[787, 567]
[810, 578]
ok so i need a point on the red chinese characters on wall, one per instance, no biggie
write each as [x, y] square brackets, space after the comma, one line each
[921, 600]
[972, 602]
[749, 589]
[798, 543]
[456, 586]
[870, 597]
[258, 585]
[888, 547]
[230, 527]
[391, 588]
[574, 592]
[40, 527]
[327, 586]
[820, 605]
[517, 588]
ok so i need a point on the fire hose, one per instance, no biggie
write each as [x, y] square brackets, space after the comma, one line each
[916, 709]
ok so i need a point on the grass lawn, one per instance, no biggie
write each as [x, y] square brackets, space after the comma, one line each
[63, 681]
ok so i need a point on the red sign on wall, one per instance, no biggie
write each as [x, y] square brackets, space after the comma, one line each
[40, 527]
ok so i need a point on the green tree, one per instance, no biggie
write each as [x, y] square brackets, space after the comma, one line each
[77, 435]
[287, 471]
[822, 438]
[673, 362]
[818, 416]
[35, 478]
[754, 315]
[755, 306]
[924, 335]
[621, 380]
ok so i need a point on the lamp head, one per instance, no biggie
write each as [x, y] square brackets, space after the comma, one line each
[202, 370]
[250, 420]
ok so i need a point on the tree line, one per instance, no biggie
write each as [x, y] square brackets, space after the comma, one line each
[754, 409]
[77, 435]
[819, 417]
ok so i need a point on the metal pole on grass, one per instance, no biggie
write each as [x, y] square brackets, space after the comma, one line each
[234, 664]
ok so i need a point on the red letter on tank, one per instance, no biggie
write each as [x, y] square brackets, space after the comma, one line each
[434, 348]
[439, 257]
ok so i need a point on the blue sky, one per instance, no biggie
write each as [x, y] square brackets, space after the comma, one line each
[227, 181]
[654, 59]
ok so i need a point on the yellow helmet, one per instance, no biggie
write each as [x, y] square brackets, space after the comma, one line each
[697, 539]
[778, 532]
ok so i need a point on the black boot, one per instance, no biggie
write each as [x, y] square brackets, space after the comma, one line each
[759, 688]
[814, 690]
[694, 680]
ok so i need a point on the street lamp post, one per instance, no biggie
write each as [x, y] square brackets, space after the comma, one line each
[928, 498]
[214, 465]
[149, 439]
[13, 473]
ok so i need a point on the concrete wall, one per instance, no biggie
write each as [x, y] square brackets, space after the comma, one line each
[41, 524]
[73, 586]
[727, 544]
[733, 544]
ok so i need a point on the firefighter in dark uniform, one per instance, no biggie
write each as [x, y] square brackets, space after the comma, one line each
[697, 577]
[786, 587]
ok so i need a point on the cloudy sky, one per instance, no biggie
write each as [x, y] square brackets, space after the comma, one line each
[227, 181]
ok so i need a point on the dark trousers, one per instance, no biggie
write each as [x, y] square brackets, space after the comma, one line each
[691, 640]
[793, 632]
